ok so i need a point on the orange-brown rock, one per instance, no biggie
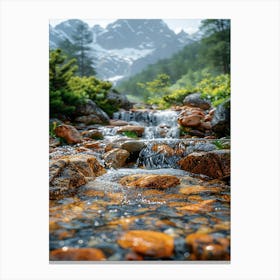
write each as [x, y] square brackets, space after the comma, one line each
[92, 145]
[69, 173]
[118, 123]
[69, 133]
[150, 181]
[205, 125]
[163, 149]
[77, 254]
[215, 164]
[116, 158]
[93, 193]
[132, 256]
[124, 222]
[139, 130]
[190, 121]
[206, 247]
[208, 118]
[203, 206]
[149, 243]
[195, 198]
[93, 134]
[191, 190]
[88, 165]
[64, 179]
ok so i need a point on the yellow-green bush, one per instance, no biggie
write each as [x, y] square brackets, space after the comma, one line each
[216, 89]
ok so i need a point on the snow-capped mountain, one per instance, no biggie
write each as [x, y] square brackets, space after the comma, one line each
[124, 47]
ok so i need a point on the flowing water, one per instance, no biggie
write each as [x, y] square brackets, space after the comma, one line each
[103, 209]
[158, 124]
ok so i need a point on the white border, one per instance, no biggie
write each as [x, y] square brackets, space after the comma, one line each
[24, 138]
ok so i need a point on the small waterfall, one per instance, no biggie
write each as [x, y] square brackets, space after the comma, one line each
[161, 154]
[165, 153]
[158, 124]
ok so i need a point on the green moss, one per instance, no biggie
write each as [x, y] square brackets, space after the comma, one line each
[130, 134]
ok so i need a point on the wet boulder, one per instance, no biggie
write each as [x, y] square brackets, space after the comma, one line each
[69, 133]
[163, 149]
[120, 100]
[148, 243]
[77, 254]
[138, 130]
[90, 113]
[195, 100]
[89, 119]
[118, 123]
[221, 119]
[215, 164]
[68, 173]
[208, 247]
[150, 181]
[116, 158]
[190, 121]
[93, 134]
[133, 146]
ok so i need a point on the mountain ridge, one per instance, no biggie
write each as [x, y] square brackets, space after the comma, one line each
[125, 47]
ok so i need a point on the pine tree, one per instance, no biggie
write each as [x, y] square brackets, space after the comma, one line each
[216, 43]
[63, 100]
[80, 50]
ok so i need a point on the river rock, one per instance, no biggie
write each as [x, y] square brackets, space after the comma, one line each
[149, 243]
[150, 181]
[195, 100]
[89, 108]
[221, 119]
[120, 100]
[207, 247]
[196, 132]
[190, 121]
[133, 146]
[118, 123]
[69, 133]
[163, 149]
[201, 206]
[116, 158]
[88, 165]
[69, 173]
[77, 254]
[89, 119]
[139, 130]
[93, 145]
[206, 125]
[215, 164]
[93, 134]
[191, 190]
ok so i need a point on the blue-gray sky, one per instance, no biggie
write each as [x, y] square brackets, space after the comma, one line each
[189, 25]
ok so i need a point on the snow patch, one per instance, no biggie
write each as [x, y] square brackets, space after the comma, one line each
[129, 26]
[115, 78]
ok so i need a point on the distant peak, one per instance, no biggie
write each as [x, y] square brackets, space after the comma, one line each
[97, 27]
[182, 32]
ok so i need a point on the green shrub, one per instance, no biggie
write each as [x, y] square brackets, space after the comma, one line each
[177, 96]
[96, 90]
[216, 89]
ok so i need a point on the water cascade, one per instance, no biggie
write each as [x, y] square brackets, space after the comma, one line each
[158, 124]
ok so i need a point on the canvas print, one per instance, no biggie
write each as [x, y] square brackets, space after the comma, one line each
[139, 140]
